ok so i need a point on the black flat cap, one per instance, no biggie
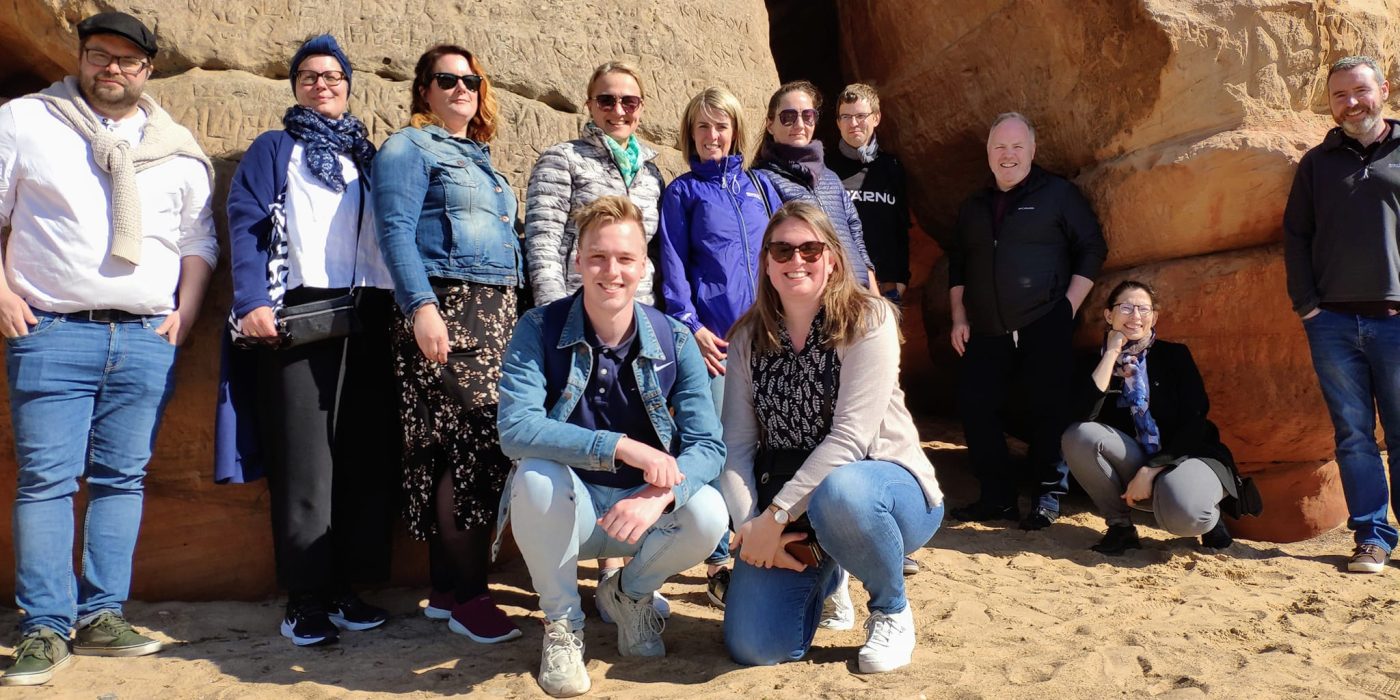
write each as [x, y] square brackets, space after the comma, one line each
[121, 24]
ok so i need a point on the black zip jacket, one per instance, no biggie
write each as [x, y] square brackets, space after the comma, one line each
[878, 190]
[1176, 399]
[1341, 240]
[1016, 273]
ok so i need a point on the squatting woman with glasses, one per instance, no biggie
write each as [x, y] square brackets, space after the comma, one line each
[447, 225]
[823, 471]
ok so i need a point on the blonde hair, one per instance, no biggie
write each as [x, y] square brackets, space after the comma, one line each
[603, 211]
[851, 310]
[616, 67]
[856, 92]
[715, 100]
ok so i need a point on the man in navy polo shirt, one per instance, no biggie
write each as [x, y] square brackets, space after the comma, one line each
[606, 403]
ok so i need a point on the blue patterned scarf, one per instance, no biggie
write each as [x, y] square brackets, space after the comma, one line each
[1132, 367]
[324, 139]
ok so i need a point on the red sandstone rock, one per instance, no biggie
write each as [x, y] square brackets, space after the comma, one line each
[1301, 499]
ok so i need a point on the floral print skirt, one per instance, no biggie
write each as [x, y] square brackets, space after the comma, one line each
[449, 411]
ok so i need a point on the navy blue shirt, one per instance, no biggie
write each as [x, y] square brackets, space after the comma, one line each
[613, 402]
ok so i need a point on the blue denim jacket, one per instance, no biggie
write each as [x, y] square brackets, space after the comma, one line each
[443, 211]
[530, 429]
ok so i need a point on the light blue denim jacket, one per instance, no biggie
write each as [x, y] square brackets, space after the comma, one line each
[443, 211]
[530, 429]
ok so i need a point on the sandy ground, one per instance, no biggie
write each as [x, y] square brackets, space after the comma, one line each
[1001, 614]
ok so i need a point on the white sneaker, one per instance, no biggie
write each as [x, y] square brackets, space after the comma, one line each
[658, 601]
[562, 670]
[639, 626]
[837, 611]
[889, 643]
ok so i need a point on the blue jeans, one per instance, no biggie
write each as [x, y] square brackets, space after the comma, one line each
[867, 516]
[85, 401]
[554, 515]
[1357, 360]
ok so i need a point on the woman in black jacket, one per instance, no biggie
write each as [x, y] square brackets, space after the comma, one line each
[1146, 442]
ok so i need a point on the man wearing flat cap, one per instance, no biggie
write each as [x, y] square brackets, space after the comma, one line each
[111, 247]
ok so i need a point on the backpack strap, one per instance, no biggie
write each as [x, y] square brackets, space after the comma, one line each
[762, 191]
[661, 325]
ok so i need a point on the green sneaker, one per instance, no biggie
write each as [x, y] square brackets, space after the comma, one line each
[38, 656]
[111, 635]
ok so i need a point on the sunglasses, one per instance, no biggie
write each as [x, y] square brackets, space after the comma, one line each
[448, 81]
[782, 252]
[788, 117]
[608, 103]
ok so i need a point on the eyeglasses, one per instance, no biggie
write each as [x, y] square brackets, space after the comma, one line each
[1128, 309]
[782, 252]
[448, 81]
[853, 118]
[130, 65]
[788, 117]
[608, 103]
[307, 78]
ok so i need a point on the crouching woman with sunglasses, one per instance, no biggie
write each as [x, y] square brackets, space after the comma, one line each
[824, 470]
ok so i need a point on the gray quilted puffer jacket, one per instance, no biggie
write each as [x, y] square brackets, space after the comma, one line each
[570, 175]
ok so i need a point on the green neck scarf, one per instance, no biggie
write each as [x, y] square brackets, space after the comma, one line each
[628, 158]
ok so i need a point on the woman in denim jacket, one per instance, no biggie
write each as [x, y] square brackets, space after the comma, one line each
[446, 224]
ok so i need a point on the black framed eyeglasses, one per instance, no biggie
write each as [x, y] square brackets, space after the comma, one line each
[448, 81]
[788, 117]
[130, 65]
[1128, 309]
[853, 118]
[608, 103]
[307, 78]
[811, 251]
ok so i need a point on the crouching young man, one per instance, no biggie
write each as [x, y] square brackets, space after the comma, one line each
[606, 403]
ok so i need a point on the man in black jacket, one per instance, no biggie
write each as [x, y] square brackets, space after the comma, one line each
[1022, 260]
[875, 180]
[1342, 253]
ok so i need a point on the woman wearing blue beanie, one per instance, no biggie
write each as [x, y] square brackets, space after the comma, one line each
[302, 230]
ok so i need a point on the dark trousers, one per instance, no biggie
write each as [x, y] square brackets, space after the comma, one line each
[333, 474]
[1040, 359]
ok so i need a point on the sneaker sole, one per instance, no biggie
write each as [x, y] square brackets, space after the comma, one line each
[833, 624]
[38, 678]
[433, 613]
[1359, 568]
[459, 628]
[881, 666]
[718, 602]
[306, 641]
[345, 624]
[150, 647]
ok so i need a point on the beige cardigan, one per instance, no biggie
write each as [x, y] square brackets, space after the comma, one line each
[870, 422]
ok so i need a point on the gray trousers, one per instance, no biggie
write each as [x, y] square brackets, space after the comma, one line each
[1185, 500]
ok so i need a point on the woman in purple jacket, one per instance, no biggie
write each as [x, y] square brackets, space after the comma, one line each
[712, 221]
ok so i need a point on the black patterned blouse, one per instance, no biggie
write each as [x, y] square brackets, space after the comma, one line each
[792, 390]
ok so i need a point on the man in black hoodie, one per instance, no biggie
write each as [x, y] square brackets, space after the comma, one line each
[1342, 254]
[1022, 260]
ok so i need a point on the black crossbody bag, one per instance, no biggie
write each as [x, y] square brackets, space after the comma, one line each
[337, 317]
[774, 467]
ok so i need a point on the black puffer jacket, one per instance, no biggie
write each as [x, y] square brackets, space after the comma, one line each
[1016, 273]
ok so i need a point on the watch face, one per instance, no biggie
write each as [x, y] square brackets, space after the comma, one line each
[781, 516]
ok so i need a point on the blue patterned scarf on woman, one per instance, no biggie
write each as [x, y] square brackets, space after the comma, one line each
[1132, 367]
[323, 140]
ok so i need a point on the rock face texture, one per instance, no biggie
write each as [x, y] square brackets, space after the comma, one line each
[222, 71]
[1182, 121]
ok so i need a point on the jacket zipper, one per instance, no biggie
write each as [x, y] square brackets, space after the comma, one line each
[737, 203]
[996, 240]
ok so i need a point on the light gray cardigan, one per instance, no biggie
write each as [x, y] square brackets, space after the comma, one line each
[870, 422]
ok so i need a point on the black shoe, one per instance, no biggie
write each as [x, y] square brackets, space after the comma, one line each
[1118, 539]
[1040, 518]
[307, 623]
[1218, 537]
[717, 587]
[348, 612]
[983, 511]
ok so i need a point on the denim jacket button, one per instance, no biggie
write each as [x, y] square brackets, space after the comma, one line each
[498, 189]
[505, 218]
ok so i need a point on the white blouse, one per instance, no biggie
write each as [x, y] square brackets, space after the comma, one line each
[321, 231]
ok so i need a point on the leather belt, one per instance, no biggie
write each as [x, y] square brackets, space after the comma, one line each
[105, 316]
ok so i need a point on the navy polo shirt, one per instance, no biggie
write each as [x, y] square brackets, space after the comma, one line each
[613, 402]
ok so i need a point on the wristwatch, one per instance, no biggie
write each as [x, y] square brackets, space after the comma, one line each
[780, 516]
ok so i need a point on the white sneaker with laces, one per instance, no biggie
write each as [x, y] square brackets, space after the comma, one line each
[639, 626]
[658, 601]
[889, 642]
[562, 670]
[837, 611]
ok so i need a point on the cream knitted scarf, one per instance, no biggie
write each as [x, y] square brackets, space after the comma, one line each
[161, 140]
